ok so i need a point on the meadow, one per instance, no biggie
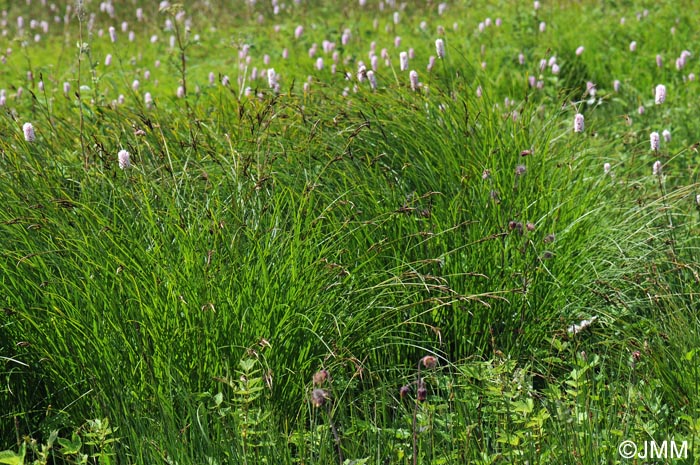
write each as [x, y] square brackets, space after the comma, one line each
[361, 232]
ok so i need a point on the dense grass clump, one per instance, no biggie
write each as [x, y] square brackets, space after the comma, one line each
[243, 234]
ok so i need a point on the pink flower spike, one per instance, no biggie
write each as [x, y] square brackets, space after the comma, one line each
[28, 130]
[660, 94]
[654, 141]
[123, 159]
[440, 48]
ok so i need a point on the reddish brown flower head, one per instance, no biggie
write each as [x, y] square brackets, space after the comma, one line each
[422, 393]
[318, 397]
[404, 391]
[320, 377]
[429, 361]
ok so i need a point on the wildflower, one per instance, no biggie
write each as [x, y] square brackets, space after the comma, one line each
[578, 122]
[641, 109]
[320, 377]
[579, 50]
[403, 60]
[606, 168]
[413, 77]
[543, 26]
[123, 158]
[440, 48]
[697, 200]
[590, 89]
[521, 59]
[66, 88]
[180, 92]
[271, 78]
[298, 31]
[660, 94]
[549, 238]
[633, 46]
[659, 61]
[666, 135]
[403, 392]
[656, 168]
[555, 68]
[530, 226]
[318, 397]
[319, 63]
[654, 140]
[28, 130]
[372, 79]
[422, 392]
[108, 60]
[479, 92]
[520, 170]
[148, 99]
[41, 86]
[616, 85]
[225, 81]
[429, 361]
[112, 34]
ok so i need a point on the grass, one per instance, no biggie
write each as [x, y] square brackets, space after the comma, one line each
[181, 310]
